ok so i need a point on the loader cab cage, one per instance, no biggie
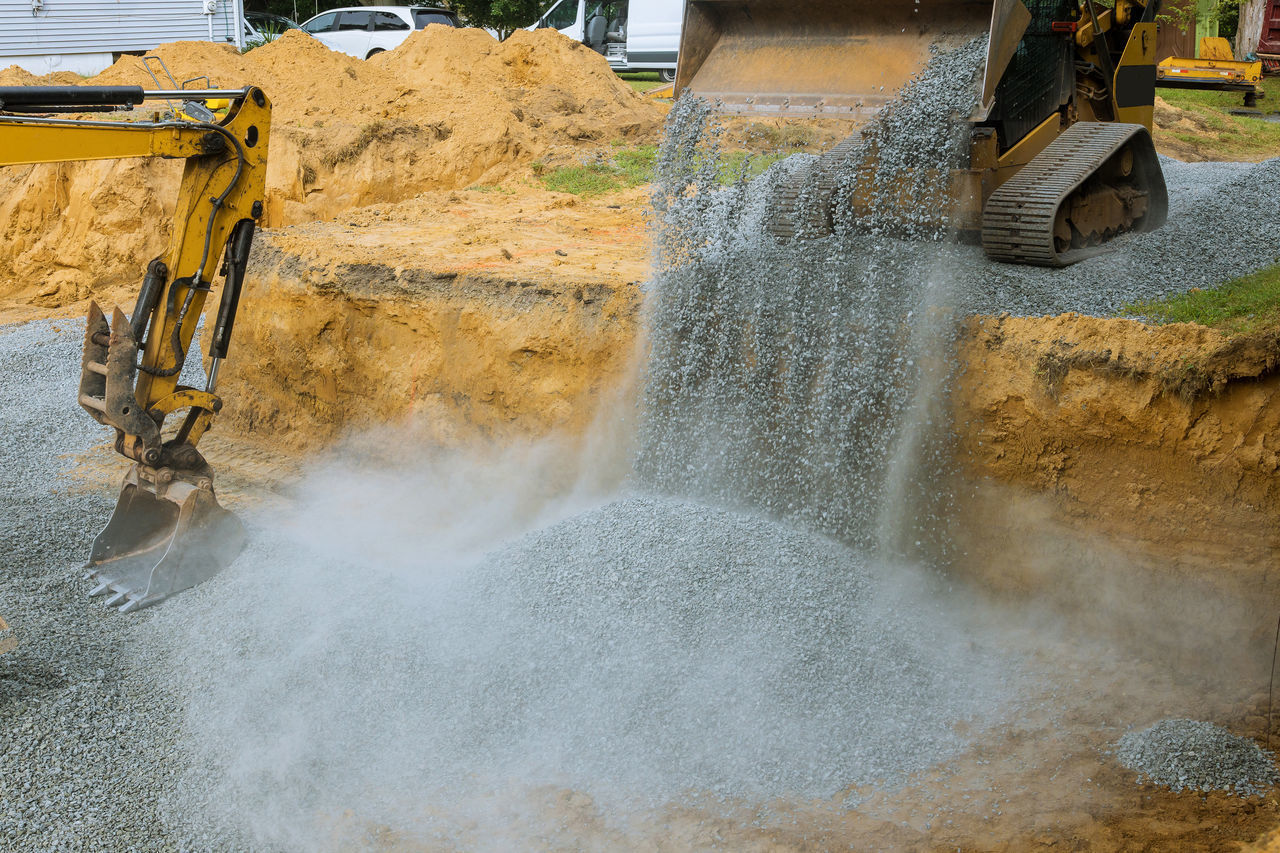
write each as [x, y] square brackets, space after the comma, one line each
[1040, 77]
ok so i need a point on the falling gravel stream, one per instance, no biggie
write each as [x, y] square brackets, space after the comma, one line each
[417, 652]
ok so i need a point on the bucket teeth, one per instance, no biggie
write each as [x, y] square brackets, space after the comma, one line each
[166, 535]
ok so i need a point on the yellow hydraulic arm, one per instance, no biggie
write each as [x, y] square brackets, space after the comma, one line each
[168, 531]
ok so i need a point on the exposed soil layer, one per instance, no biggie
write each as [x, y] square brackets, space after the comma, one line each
[1124, 478]
[440, 308]
[1166, 435]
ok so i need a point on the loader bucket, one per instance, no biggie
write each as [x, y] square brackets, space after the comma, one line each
[166, 535]
[838, 58]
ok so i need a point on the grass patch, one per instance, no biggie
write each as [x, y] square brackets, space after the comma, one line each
[1227, 136]
[1241, 306]
[642, 81]
[746, 164]
[631, 167]
[626, 168]
[1222, 101]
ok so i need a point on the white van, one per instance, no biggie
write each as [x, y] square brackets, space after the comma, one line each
[634, 35]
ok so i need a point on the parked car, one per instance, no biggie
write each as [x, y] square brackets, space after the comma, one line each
[262, 27]
[362, 31]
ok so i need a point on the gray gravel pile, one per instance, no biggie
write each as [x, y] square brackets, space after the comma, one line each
[82, 743]
[640, 652]
[1198, 756]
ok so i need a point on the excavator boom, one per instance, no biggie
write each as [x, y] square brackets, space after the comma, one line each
[168, 531]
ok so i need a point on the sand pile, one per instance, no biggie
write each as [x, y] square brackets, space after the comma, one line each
[447, 109]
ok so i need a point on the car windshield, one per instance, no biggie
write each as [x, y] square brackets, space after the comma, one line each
[422, 17]
[563, 16]
[322, 24]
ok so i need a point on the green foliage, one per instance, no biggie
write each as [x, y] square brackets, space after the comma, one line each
[267, 33]
[1227, 14]
[1240, 306]
[505, 16]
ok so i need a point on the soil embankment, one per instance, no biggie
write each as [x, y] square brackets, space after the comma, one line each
[1124, 477]
[1164, 435]
[342, 331]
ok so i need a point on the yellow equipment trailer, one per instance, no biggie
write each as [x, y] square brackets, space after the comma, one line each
[1216, 68]
[1061, 156]
[168, 531]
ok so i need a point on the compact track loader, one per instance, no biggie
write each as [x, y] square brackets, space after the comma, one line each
[1060, 157]
[168, 531]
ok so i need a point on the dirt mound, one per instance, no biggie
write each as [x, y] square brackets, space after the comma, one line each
[448, 108]
[1182, 133]
[16, 75]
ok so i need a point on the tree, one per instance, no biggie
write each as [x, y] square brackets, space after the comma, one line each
[505, 16]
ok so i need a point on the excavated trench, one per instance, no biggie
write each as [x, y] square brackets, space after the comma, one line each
[1083, 542]
[1114, 489]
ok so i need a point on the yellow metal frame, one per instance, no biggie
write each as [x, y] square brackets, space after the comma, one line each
[225, 161]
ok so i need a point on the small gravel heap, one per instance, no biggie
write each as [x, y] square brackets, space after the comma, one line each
[1197, 756]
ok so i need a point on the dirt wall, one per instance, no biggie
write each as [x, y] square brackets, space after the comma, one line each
[1127, 474]
[327, 348]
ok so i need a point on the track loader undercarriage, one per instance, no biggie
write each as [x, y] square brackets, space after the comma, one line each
[168, 531]
[1060, 155]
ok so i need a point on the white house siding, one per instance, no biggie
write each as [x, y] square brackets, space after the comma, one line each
[82, 35]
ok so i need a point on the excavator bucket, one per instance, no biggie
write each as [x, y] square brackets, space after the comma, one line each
[167, 534]
[840, 58]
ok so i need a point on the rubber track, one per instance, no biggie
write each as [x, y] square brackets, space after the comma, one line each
[1017, 223]
[793, 216]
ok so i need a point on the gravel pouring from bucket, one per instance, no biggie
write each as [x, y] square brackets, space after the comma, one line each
[167, 534]
[839, 58]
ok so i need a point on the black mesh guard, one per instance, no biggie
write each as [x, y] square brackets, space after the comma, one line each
[1041, 76]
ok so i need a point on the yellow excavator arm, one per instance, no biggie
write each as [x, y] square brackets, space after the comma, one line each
[168, 531]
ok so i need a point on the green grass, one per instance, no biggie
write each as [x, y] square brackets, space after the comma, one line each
[755, 164]
[631, 167]
[1228, 136]
[628, 167]
[642, 81]
[1240, 306]
[1223, 101]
